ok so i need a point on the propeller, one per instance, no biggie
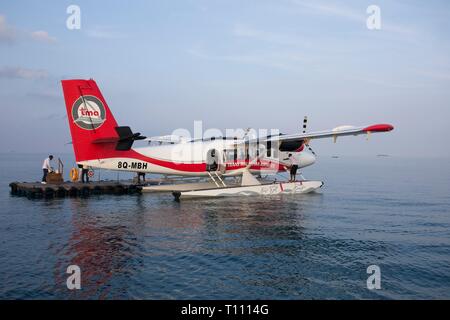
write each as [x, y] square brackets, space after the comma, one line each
[305, 121]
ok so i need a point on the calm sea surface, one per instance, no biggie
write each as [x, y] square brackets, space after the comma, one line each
[391, 212]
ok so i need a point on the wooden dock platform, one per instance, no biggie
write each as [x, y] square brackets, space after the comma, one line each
[72, 189]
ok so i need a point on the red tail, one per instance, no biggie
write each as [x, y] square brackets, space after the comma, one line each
[92, 125]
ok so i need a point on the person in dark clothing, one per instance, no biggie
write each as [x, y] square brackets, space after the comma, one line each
[139, 175]
[294, 167]
[84, 174]
[211, 164]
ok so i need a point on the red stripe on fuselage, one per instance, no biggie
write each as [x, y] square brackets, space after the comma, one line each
[261, 165]
[187, 167]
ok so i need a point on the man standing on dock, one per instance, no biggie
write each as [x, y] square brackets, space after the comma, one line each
[84, 173]
[46, 167]
[293, 165]
[139, 175]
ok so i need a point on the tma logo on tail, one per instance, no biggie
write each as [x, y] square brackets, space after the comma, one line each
[88, 112]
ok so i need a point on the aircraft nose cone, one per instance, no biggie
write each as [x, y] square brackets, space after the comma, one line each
[307, 159]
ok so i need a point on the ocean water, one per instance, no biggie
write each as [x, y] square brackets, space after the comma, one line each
[390, 212]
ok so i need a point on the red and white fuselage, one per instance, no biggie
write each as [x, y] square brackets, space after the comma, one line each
[191, 158]
[99, 142]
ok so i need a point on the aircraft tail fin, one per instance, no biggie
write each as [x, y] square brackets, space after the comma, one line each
[95, 133]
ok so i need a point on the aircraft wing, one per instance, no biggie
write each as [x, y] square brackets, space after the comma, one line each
[334, 133]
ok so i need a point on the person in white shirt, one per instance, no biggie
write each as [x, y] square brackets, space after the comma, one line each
[46, 167]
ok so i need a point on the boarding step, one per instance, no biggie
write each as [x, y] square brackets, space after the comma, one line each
[219, 182]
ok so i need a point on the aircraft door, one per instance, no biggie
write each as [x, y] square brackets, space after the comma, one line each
[212, 160]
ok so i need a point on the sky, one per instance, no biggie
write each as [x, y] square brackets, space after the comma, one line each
[161, 65]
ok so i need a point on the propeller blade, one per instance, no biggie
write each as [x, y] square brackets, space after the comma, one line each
[305, 122]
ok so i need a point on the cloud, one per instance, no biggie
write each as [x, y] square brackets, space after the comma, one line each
[240, 30]
[341, 11]
[387, 83]
[7, 33]
[54, 116]
[286, 50]
[45, 95]
[435, 75]
[22, 73]
[280, 60]
[332, 10]
[102, 32]
[42, 36]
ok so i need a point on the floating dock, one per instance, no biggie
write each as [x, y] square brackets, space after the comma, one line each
[72, 189]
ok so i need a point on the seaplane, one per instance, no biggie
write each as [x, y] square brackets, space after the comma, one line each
[228, 165]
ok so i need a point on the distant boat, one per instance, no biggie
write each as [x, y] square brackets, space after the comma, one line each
[335, 157]
[383, 155]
